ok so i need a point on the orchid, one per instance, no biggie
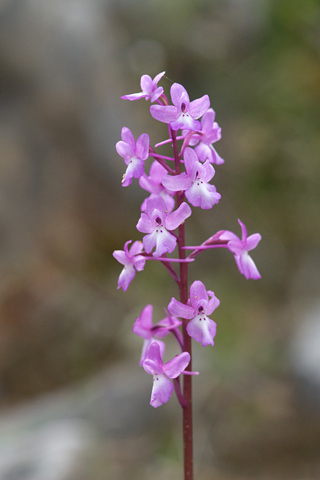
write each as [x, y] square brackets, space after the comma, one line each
[153, 184]
[209, 133]
[183, 113]
[156, 222]
[149, 87]
[132, 261]
[194, 181]
[173, 183]
[201, 328]
[143, 327]
[240, 248]
[134, 154]
[162, 372]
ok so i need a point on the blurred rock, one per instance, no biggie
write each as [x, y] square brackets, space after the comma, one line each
[64, 435]
[304, 355]
[54, 451]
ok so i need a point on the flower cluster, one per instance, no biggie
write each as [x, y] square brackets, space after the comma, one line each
[175, 185]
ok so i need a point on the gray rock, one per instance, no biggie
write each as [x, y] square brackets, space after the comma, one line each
[305, 355]
[52, 437]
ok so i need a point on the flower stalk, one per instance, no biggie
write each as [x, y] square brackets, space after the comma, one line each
[187, 423]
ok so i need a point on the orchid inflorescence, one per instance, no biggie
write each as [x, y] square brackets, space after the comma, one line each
[175, 183]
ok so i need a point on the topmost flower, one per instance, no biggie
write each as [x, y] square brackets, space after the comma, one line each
[183, 113]
[149, 87]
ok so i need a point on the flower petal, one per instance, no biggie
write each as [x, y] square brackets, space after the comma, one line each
[214, 156]
[142, 146]
[157, 171]
[176, 92]
[198, 292]
[136, 248]
[165, 326]
[165, 242]
[127, 137]
[164, 113]
[146, 84]
[190, 159]
[243, 231]
[174, 219]
[185, 121]
[202, 195]
[202, 329]
[143, 324]
[124, 150]
[158, 77]
[134, 96]
[178, 309]
[226, 235]
[161, 390]
[177, 183]
[156, 94]
[199, 106]
[208, 172]
[208, 120]
[126, 276]
[203, 152]
[153, 363]
[155, 202]
[144, 224]
[235, 246]
[213, 303]
[139, 262]
[248, 267]
[253, 241]
[149, 241]
[121, 257]
[146, 345]
[135, 169]
[174, 367]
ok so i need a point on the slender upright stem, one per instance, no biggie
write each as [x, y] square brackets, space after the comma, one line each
[183, 291]
[187, 380]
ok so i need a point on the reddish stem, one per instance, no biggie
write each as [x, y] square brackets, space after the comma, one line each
[183, 290]
[160, 159]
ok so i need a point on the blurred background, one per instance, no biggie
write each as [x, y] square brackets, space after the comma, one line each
[74, 403]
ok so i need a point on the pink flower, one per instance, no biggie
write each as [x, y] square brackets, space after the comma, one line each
[131, 260]
[201, 328]
[194, 181]
[143, 327]
[183, 113]
[240, 248]
[133, 153]
[209, 133]
[149, 87]
[162, 372]
[157, 221]
[152, 184]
